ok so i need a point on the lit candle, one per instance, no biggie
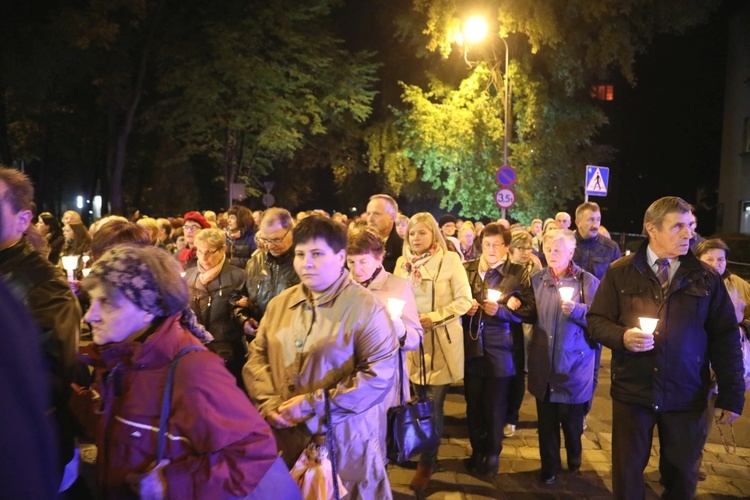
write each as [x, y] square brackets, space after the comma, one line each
[70, 263]
[494, 295]
[86, 271]
[648, 325]
[566, 292]
[395, 307]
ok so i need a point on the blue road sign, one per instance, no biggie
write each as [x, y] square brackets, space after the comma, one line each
[597, 180]
[506, 176]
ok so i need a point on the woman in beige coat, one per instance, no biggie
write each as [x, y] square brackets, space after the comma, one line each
[364, 257]
[327, 333]
[443, 295]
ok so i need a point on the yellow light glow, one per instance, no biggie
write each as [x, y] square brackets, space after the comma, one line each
[475, 29]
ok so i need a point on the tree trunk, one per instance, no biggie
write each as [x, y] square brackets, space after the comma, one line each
[119, 158]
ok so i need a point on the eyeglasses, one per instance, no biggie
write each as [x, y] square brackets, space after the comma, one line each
[274, 241]
[191, 228]
[524, 249]
[207, 253]
[493, 246]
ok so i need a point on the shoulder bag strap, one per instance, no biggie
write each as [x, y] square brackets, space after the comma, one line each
[332, 446]
[166, 402]
[434, 283]
[422, 372]
[401, 376]
[580, 288]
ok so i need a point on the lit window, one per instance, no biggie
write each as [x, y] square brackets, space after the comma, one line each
[603, 92]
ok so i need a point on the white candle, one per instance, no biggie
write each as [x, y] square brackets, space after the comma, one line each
[70, 262]
[566, 292]
[86, 271]
[395, 307]
[648, 325]
[494, 295]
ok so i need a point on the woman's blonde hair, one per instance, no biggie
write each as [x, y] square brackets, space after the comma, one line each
[428, 220]
[212, 237]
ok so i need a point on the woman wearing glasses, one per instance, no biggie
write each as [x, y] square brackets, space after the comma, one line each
[442, 293]
[501, 296]
[211, 285]
[192, 223]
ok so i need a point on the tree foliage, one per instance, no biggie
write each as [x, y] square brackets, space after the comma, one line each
[558, 48]
[233, 89]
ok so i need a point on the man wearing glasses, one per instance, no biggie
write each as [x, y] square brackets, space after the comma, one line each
[270, 271]
[192, 223]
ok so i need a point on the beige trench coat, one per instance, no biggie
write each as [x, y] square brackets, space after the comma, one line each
[344, 341]
[444, 344]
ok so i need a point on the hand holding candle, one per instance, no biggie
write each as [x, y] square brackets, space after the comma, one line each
[494, 295]
[640, 339]
[566, 292]
[395, 307]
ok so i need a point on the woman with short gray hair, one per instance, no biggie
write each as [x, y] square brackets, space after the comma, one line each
[211, 284]
[561, 353]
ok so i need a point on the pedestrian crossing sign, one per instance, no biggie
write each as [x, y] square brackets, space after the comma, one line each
[597, 180]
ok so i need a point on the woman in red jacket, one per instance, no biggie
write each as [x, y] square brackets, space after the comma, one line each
[217, 445]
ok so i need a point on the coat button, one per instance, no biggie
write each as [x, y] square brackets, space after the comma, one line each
[656, 407]
[297, 344]
[656, 369]
[291, 387]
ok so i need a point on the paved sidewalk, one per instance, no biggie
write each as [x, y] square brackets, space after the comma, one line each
[729, 473]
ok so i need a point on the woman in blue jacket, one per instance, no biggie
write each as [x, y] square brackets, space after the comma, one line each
[560, 352]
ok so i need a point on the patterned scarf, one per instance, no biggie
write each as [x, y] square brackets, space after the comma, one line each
[412, 263]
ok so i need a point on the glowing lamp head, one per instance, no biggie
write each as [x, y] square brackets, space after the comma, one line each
[475, 29]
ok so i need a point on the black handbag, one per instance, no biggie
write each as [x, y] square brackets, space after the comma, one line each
[411, 425]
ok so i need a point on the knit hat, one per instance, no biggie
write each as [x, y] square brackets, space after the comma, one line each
[129, 270]
[121, 268]
[196, 217]
[445, 219]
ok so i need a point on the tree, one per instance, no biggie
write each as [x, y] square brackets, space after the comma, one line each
[558, 48]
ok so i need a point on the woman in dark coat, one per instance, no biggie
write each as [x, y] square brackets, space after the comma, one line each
[211, 284]
[489, 347]
[561, 355]
[240, 236]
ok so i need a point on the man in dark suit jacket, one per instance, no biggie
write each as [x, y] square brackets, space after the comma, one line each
[381, 214]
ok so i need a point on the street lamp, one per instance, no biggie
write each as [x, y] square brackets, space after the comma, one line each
[476, 30]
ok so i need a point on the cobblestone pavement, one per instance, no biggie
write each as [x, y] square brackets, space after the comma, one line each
[728, 472]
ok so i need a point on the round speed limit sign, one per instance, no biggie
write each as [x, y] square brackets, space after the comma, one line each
[505, 198]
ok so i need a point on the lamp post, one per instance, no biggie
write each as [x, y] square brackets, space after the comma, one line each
[475, 30]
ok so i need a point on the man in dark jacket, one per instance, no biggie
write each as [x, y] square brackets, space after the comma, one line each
[45, 292]
[381, 214]
[269, 271]
[662, 378]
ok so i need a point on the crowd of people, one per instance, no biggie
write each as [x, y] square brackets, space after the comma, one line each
[223, 344]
